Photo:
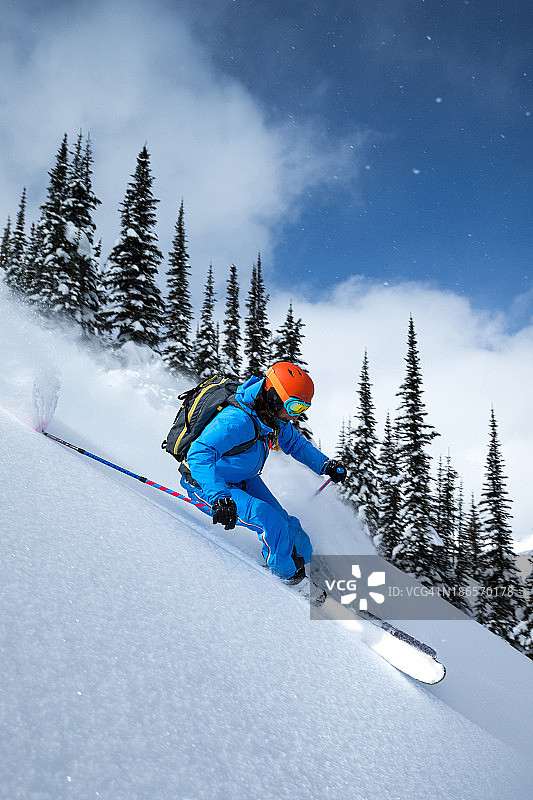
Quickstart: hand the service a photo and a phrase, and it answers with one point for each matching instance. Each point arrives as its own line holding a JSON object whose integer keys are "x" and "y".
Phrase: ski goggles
{"x": 294, "y": 406}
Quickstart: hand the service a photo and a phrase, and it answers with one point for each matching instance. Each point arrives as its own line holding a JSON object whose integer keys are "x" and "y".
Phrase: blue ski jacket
{"x": 233, "y": 426}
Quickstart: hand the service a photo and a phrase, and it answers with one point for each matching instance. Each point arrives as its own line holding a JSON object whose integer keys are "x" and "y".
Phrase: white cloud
{"x": 469, "y": 363}
{"x": 131, "y": 73}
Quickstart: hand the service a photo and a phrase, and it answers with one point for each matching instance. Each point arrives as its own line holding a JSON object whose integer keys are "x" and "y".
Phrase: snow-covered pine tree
{"x": 231, "y": 349}
{"x": 390, "y": 527}
{"x": 178, "y": 352}
{"x": 80, "y": 204}
{"x": 419, "y": 552}
{"x": 32, "y": 262}
{"x": 135, "y": 308}
{"x": 287, "y": 346}
{"x": 5, "y": 248}
{"x": 344, "y": 453}
{"x": 14, "y": 276}
{"x": 437, "y": 504}
{"x": 341, "y": 450}
{"x": 103, "y": 316}
{"x": 363, "y": 485}
{"x": 499, "y": 602}
{"x": 473, "y": 546}
{"x": 448, "y": 531}
{"x": 523, "y": 632}
{"x": 446, "y": 517}
{"x": 206, "y": 354}
{"x": 56, "y": 290}
{"x": 257, "y": 340}
{"x": 462, "y": 565}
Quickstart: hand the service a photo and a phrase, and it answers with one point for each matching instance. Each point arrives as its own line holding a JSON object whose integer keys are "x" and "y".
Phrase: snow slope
{"x": 144, "y": 657}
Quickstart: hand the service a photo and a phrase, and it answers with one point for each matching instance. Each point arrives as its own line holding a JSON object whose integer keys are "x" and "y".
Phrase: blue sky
{"x": 442, "y": 93}
{"x": 389, "y": 140}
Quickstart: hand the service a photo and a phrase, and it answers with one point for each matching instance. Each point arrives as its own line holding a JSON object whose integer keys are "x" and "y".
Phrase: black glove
{"x": 335, "y": 470}
{"x": 225, "y": 512}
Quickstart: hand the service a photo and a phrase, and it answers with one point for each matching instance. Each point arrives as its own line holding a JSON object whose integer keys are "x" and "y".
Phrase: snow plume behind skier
{"x": 231, "y": 484}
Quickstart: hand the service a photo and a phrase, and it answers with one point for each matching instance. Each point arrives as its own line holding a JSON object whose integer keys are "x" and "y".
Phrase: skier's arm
{"x": 300, "y": 448}
{"x": 218, "y": 437}
{"x": 294, "y": 444}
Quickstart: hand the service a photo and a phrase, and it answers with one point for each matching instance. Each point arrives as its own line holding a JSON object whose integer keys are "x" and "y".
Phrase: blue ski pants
{"x": 285, "y": 545}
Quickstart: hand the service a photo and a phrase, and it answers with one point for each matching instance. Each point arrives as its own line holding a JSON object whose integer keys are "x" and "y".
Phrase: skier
{"x": 231, "y": 484}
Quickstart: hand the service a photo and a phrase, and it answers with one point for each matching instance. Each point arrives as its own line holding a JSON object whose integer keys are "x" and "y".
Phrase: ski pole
{"x": 321, "y": 488}
{"x": 171, "y": 492}
{"x": 148, "y": 482}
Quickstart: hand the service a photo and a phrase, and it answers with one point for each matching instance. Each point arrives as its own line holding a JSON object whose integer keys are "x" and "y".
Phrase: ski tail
{"x": 398, "y": 633}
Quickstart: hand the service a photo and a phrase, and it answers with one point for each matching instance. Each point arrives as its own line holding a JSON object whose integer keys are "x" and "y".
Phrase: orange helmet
{"x": 292, "y": 385}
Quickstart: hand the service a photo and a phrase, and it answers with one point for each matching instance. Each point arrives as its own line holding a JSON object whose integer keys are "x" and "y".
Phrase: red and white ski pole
{"x": 321, "y": 488}
{"x": 171, "y": 492}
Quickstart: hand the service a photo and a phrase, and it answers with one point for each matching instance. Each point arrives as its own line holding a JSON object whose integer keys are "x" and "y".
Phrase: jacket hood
{"x": 246, "y": 394}
{"x": 248, "y": 391}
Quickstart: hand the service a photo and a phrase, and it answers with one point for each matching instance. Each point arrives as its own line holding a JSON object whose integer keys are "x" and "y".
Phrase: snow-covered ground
{"x": 144, "y": 657}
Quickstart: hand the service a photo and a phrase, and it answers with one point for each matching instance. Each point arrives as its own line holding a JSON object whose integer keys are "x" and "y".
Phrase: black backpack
{"x": 200, "y": 405}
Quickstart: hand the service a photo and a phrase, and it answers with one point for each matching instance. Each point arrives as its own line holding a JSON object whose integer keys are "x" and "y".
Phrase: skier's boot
{"x": 310, "y": 591}
{"x": 298, "y": 577}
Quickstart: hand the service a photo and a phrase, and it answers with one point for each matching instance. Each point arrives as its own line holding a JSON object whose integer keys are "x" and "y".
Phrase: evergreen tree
{"x": 135, "y": 308}
{"x": 449, "y": 531}
{"x": 499, "y": 602}
{"x": 462, "y": 565}
{"x": 5, "y": 248}
{"x": 103, "y": 317}
{"x": 206, "y": 346}
{"x": 217, "y": 346}
{"x": 14, "y": 276}
{"x": 345, "y": 454}
{"x": 473, "y": 542}
{"x": 341, "y": 450}
{"x": 32, "y": 262}
{"x": 80, "y": 204}
{"x": 418, "y": 553}
{"x": 447, "y": 520}
{"x": 55, "y": 290}
{"x": 390, "y": 527}
{"x": 438, "y": 504}
{"x": 523, "y": 632}
{"x": 363, "y": 477}
{"x": 231, "y": 351}
{"x": 287, "y": 346}
{"x": 179, "y": 315}
{"x": 257, "y": 331}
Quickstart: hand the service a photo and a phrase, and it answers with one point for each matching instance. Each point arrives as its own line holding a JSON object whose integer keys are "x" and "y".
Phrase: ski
{"x": 401, "y": 650}
{"x": 394, "y": 631}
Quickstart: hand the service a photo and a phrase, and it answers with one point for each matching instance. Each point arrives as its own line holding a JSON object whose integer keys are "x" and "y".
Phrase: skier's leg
{"x": 257, "y": 488}
{"x": 286, "y": 546}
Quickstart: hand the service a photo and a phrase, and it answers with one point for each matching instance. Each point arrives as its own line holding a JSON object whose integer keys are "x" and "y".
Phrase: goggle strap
{"x": 276, "y": 383}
